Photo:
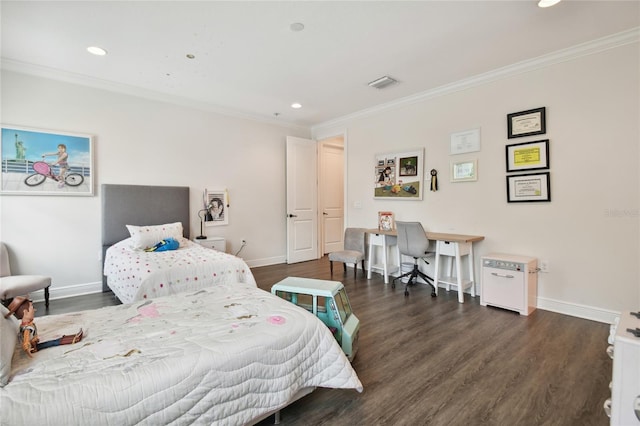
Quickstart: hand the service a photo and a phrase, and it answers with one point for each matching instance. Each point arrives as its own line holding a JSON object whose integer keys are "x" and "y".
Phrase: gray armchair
{"x": 413, "y": 241}
{"x": 353, "y": 252}
{"x": 19, "y": 285}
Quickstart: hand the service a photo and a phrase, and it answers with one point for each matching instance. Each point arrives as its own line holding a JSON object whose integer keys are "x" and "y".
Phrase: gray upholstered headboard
{"x": 140, "y": 205}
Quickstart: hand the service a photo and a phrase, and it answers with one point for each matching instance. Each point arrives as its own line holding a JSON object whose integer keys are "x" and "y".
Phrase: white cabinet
{"x": 216, "y": 243}
{"x": 509, "y": 282}
{"x": 625, "y": 388}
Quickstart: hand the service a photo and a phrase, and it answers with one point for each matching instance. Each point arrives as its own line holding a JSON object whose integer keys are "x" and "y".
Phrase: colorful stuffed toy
{"x": 165, "y": 245}
{"x": 23, "y": 309}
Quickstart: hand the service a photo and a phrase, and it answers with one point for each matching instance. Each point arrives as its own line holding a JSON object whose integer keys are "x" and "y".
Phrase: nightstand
{"x": 216, "y": 243}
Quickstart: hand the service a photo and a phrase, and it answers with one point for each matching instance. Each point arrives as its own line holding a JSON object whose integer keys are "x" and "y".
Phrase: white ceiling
{"x": 248, "y": 61}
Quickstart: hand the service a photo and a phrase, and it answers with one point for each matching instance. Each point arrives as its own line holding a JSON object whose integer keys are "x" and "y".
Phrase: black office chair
{"x": 413, "y": 241}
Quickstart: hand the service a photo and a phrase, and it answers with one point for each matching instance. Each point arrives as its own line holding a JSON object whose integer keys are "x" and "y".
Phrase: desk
{"x": 453, "y": 245}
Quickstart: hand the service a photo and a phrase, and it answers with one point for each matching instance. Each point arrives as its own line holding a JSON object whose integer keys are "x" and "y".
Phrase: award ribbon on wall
{"x": 434, "y": 180}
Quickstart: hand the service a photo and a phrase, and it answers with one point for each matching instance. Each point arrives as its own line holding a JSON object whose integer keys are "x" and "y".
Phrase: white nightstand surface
{"x": 216, "y": 243}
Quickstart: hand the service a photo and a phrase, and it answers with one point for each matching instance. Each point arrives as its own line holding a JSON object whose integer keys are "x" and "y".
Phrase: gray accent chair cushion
{"x": 19, "y": 285}
{"x": 354, "y": 250}
{"x": 413, "y": 242}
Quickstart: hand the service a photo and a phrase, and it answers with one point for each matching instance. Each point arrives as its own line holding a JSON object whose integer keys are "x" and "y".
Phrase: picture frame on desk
{"x": 385, "y": 221}
{"x": 531, "y": 187}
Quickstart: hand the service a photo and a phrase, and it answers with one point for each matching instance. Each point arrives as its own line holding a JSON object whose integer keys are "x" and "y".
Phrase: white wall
{"x": 589, "y": 232}
{"x": 138, "y": 141}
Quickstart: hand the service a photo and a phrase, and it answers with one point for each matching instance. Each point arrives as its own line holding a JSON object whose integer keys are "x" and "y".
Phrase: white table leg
{"x": 371, "y": 256}
{"x": 436, "y": 268}
{"x": 450, "y": 261}
{"x": 459, "y": 274}
{"x": 385, "y": 267}
{"x": 471, "y": 274}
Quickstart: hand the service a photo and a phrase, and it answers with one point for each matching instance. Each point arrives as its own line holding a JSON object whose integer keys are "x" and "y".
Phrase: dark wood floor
{"x": 433, "y": 361}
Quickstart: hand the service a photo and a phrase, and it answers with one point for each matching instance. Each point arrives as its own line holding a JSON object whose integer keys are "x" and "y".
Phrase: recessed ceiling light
{"x": 99, "y": 51}
{"x": 296, "y": 26}
{"x": 296, "y": 105}
{"x": 548, "y": 3}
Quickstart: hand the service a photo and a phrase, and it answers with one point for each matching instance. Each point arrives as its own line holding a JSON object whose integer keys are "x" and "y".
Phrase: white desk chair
{"x": 413, "y": 242}
{"x": 19, "y": 285}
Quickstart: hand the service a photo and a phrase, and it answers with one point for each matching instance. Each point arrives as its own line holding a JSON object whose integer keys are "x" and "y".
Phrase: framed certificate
{"x": 464, "y": 171}
{"x": 526, "y": 123}
{"x": 528, "y": 188}
{"x": 528, "y": 156}
{"x": 467, "y": 141}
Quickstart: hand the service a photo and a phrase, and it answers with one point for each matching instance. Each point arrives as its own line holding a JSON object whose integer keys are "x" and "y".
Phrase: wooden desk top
{"x": 436, "y": 236}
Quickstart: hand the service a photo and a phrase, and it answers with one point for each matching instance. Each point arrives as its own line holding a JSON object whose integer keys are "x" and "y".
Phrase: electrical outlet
{"x": 544, "y": 266}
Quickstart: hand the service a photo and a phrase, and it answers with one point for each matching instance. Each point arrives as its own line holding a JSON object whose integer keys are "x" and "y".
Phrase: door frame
{"x": 318, "y": 137}
{"x": 322, "y": 143}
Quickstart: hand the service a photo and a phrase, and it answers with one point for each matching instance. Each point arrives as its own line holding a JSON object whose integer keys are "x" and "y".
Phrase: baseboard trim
{"x": 68, "y": 291}
{"x": 592, "y": 313}
{"x": 566, "y": 308}
{"x": 266, "y": 261}
{"x": 576, "y": 310}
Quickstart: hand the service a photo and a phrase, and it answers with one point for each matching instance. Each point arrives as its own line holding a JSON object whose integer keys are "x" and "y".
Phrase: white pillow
{"x": 148, "y": 236}
{"x": 9, "y": 328}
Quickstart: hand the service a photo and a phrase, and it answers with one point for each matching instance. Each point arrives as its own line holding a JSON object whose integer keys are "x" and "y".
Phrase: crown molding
{"x": 584, "y": 49}
{"x": 592, "y": 47}
{"x": 96, "y": 83}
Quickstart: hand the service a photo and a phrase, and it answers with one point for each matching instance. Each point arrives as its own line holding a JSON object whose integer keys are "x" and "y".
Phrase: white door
{"x": 302, "y": 200}
{"x": 332, "y": 194}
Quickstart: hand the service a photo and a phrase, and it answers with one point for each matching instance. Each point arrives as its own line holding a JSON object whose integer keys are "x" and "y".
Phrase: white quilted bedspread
{"x": 138, "y": 275}
{"x": 222, "y": 355}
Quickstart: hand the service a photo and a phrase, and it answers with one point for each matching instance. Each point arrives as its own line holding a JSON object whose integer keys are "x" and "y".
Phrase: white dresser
{"x": 216, "y": 243}
{"x": 624, "y": 405}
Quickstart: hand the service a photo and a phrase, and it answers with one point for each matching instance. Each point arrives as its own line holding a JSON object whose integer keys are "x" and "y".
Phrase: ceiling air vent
{"x": 382, "y": 82}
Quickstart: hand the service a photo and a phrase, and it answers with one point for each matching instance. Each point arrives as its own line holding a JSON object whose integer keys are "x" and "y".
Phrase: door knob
{"x": 325, "y": 213}
{"x": 292, "y": 215}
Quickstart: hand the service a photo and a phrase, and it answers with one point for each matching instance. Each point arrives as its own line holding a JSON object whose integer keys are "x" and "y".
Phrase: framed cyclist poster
{"x": 43, "y": 162}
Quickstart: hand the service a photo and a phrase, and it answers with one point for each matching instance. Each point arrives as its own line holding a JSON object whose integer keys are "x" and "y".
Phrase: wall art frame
{"x": 527, "y": 123}
{"x": 465, "y": 141}
{"x": 527, "y": 188}
{"x": 45, "y": 162}
{"x": 399, "y": 175}
{"x": 527, "y": 156}
{"x": 217, "y": 206}
{"x": 464, "y": 170}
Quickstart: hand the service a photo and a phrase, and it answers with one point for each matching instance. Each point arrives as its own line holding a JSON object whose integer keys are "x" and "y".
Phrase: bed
{"x": 225, "y": 354}
{"x": 135, "y": 217}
